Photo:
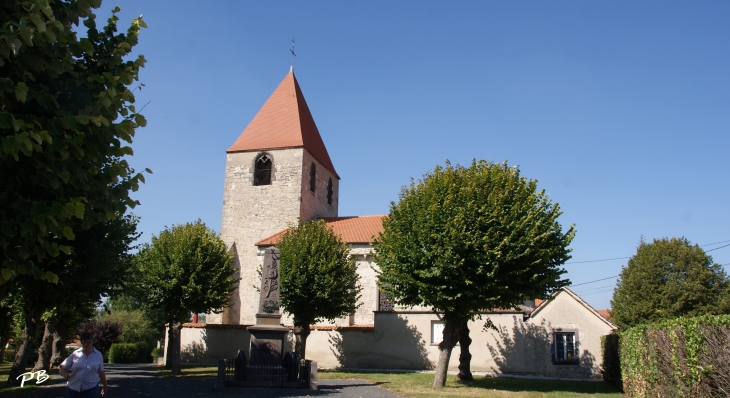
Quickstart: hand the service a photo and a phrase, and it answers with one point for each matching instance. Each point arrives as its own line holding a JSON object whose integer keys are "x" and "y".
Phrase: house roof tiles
{"x": 357, "y": 229}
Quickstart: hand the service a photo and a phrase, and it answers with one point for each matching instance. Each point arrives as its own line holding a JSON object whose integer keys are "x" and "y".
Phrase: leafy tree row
{"x": 67, "y": 117}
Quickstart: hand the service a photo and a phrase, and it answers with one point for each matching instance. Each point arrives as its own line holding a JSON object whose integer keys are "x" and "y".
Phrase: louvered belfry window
{"x": 330, "y": 192}
{"x": 262, "y": 173}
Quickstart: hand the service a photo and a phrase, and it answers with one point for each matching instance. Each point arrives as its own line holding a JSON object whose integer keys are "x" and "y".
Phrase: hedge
{"x": 611, "y": 367}
{"x": 684, "y": 357}
{"x": 123, "y": 353}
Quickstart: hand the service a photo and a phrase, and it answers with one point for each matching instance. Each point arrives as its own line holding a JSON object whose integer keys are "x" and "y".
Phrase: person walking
{"x": 83, "y": 369}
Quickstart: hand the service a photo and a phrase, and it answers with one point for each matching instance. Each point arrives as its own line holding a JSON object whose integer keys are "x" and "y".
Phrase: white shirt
{"x": 84, "y": 369}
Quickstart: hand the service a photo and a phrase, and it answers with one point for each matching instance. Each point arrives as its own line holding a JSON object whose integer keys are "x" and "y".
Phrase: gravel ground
{"x": 141, "y": 380}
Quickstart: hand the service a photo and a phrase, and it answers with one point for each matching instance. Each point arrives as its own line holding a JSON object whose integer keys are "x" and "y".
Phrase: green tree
{"x": 66, "y": 119}
{"x": 666, "y": 279}
{"x": 319, "y": 279}
{"x": 101, "y": 260}
{"x": 185, "y": 269}
{"x": 466, "y": 239}
{"x": 136, "y": 328}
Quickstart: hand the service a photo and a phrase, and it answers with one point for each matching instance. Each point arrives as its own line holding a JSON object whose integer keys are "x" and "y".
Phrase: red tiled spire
{"x": 284, "y": 122}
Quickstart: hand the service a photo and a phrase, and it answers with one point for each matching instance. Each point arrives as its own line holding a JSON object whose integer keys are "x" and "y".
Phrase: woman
{"x": 83, "y": 369}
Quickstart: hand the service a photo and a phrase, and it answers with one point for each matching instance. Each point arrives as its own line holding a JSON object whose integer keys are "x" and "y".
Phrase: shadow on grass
{"x": 190, "y": 371}
{"x": 516, "y": 385}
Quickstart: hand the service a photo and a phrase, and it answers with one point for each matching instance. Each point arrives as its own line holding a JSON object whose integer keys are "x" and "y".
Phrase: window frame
{"x": 441, "y": 327}
{"x": 555, "y": 336}
{"x": 258, "y": 160}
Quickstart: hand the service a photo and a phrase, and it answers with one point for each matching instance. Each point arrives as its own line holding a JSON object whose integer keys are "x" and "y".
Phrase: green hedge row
{"x": 130, "y": 353}
{"x": 684, "y": 357}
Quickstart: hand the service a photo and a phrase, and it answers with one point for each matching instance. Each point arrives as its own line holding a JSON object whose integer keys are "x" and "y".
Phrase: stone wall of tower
{"x": 314, "y": 204}
{"x": 251, "y": 213}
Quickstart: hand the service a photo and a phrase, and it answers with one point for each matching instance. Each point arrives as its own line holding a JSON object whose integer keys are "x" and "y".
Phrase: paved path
{"x": 141, "y": 380}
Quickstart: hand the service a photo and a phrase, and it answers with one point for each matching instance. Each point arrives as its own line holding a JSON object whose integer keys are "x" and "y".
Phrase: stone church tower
{"x": 277, "y": 172}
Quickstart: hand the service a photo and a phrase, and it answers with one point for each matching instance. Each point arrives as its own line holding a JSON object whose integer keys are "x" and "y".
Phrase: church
{"x": 278, "y": 171}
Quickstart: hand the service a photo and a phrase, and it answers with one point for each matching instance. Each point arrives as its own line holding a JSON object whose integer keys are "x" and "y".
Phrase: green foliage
{"x": 66, "y": 121}
{"x": 682, "y": 357}
{"x": 136, "y": 328}
{"x": 9, "y": 355}
{"x": 126, "y": 298}
{"x": 319, "y": 279}
{"x": 611, "y": 366}
{"x": 185, "y": 269}
{"x": 156, "y": 353}
{"x": 104, "y": 334}
{"x": 666, "y": 279}
{"x": 465, "y": 239}
{"x": 124, "y": 353}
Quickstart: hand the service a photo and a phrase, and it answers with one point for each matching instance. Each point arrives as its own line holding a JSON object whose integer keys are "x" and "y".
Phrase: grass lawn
{"x": 418, "y": 385}
{"x": 13, "y": 391}
{"x": 190, "y": 371}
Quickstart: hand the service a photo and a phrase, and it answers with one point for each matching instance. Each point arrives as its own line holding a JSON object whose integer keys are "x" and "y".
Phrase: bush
{"x": 136, "y": 327}
{"x": 682, "y": 357}
{"x": 156, "y": 353}
{"x": 123, "y": 353}
{"x": 104, "y": 334}
{"x": 9, "y": 355}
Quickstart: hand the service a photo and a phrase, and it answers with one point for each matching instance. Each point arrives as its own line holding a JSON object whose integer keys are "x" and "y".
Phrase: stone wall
{"x": 252, "y": 213}
{"x": 404, "y": 340}
{"x": 314, "y": 204}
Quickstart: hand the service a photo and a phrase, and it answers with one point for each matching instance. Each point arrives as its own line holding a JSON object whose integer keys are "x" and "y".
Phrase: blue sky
{"x": 621, "y": 110}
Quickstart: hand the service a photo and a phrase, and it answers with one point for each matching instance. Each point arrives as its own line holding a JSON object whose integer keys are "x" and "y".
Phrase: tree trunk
{"x": 3, "y": 342}
{"x": 173, "y": 347}
{"x": 451, "y": 336}
{"x": 465, "y": 357}
{"x": 59, "y": 344}
{"x": 301, "y": 333}
{"x": 46, "y": 348}
{"x": 24, "y": 352}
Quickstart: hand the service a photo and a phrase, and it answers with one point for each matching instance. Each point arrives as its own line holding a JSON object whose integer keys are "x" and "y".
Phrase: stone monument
{"x": 267, "y": 336}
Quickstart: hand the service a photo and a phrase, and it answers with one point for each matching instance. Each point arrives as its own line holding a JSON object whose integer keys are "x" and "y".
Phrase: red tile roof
{"x": 284, "y": 122}
{"x": 357, "y": 229}
{"x": 606, "y": 314}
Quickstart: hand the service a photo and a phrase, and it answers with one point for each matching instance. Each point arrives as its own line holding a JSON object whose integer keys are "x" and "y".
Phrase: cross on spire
{"x": 292, "y": 55}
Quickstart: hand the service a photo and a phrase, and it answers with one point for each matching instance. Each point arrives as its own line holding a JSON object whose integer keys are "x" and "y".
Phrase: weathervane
{"x": 292, "y": 55}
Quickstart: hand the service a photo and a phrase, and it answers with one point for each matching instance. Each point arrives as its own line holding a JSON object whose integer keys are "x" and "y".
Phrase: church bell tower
{"x": 277, "y": 172}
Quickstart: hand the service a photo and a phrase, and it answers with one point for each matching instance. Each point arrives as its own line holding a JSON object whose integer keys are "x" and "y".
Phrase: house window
{"x": 330, "y": 192}
{"x": 437, "y": 332}
{"x": 312, "y": 177}
{"x": 565, "y": 348}
{"x": 262, "y": 170}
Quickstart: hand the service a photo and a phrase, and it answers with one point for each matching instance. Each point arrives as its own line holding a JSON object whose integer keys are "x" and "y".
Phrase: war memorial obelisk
{"x": 267, "y": 336}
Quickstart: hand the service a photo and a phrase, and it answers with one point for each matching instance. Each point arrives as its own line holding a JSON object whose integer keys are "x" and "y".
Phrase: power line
{"x": 595, "y": 261}
{"x": 717, "y": 248}
{"x": 597, "y": 280}
{"x": 622, "y": 258}
{"x": 597, "y": 288}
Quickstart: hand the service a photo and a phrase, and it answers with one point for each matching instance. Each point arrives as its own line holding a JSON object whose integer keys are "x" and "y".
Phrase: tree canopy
{"x": 66, "y": 119}
{"x": 464, "y": 239}
{"x": 319, "y": 279}
{"x": 187, "y": 268}
{"x": 669, "y": 278}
